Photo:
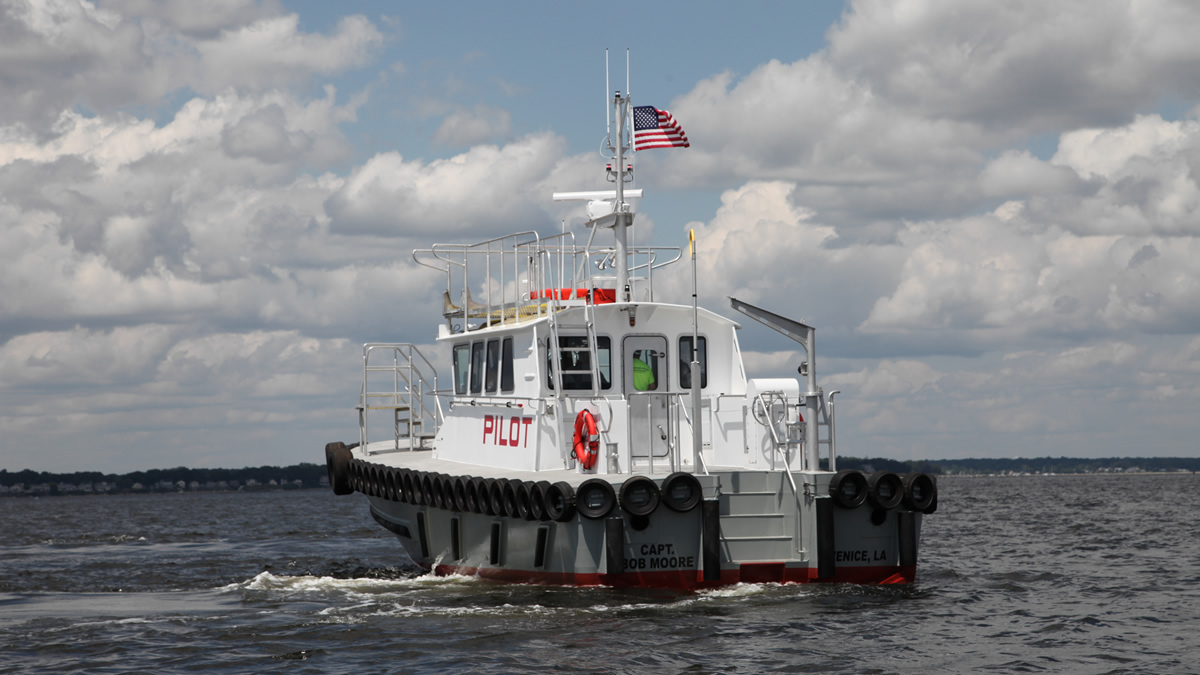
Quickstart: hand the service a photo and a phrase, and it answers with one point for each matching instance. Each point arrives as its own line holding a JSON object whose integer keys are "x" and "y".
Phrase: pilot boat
{"x": 586, "y": 433}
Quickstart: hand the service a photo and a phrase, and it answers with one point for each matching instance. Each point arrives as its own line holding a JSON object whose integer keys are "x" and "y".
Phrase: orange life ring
{"x": 587, "y": 439}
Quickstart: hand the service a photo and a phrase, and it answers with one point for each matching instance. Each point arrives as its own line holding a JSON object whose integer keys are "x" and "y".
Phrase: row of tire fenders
{"x": 595, "y": 498}
{"x": 884, "y": 490}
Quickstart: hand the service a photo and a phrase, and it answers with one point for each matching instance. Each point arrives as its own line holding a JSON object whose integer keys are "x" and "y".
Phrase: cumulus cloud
{"x": 145, "y": 394}
{"x": 1071, "y": 401}
{"x": 485, "y": 190}
{"x": 1032, "y": 271}
{"x": 480, "y": 124}
{"x": 272, "y": 51}
{"x": 195, "y": 19}
{"x": 1020, "y": 174}
{"x": 910, "y": 99}
{"x": 1021, "y": 68}
{"x": 60, "y": 54}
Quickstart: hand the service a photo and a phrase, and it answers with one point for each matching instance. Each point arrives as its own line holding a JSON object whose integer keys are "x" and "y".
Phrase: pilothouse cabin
{"x": 539, "y": 340}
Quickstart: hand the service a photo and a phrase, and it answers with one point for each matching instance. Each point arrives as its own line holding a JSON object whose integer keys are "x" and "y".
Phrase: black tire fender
{"x": 472, "y": 494}
{"x": 339, "y": 457}
{"x": 427, "y": 489}
{"x": 508, "y": 494}
{"x": 848, "y": 488}
{"x": 524, "y": 499}
{"x": 445, "y": 492}
{"x": 495, "y": 497}
{"x": 460, "y": 493}
{"x": 560, "y": 502}
{"x": 681, "y": 492}
{"x": 537, "y": 499}
{"x": 639, "y": 496}
{"x": 595, "y": 498}
{"x": 885, "y": 490}
{"x": 920, "y": 491}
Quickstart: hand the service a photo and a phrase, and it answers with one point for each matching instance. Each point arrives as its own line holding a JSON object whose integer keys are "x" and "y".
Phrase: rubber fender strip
{"x": 711, "y": 539}
{"x": 826, "y": 553}
{"x": 423, "y": 534}
{"x": 539, "y": 550}
{"x": 614, "y": 545}
{"x": 494, "y": 552}
{"x": 908, "y": 538}
{"x": 455, "y": 539}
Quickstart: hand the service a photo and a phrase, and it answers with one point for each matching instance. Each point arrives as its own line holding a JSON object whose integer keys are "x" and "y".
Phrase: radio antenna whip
{"x": 607, "y": 93}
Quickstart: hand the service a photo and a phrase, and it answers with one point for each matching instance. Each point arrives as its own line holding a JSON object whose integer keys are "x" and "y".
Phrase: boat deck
{"x": 422, "y": 459}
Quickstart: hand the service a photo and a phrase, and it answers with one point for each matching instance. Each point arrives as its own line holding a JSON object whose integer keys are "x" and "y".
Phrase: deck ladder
{"x": 398, "y": 379}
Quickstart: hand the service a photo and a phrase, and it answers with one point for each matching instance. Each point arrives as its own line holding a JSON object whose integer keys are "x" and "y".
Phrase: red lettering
{"x": 488, "y": 424}
{"x": 514, "y": 430}
{"x": 500, "y": 432}
{"x": 526, "y": 421}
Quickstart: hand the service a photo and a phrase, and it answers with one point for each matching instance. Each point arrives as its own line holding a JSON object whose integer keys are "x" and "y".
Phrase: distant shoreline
{"x": 1181, "y": 472}
{"x": 180, "y": 479}
{"x": 155, "y": 493}
{"x": 311, "y": 476}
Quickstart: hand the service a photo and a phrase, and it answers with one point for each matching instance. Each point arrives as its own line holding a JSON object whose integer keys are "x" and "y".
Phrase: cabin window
{"x": 493, "y": 366}
{"x": 462, "y": 367}
{"x": 645, "y": 369}
{"x": 506, "y": 366}
{"x": 575, "y": 361}
{"x": 476, "y": 367}
{"x": 685, "y": 362}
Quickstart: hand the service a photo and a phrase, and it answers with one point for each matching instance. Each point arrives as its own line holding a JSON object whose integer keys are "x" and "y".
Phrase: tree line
{"x": 308, "y": 475}
{"x": 1021, "y": 465}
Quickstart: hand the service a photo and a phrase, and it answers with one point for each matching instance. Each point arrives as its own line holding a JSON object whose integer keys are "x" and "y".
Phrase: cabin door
{"x": 645, "y": 376}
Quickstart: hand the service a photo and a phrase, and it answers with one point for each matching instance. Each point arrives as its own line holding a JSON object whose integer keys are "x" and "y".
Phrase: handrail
{"x": 673, "y": 431}
{"x": 695, "y": 428}
{"x": 787, "y": 468}
{"x": 831, "y": 419}
{"x": 510, "y": 271}
{"x": 409, "y": 398}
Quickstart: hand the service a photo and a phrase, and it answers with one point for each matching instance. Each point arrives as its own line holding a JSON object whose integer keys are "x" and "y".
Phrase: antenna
{"x": 628, "y": 93}
{"x": 607, "y": 93}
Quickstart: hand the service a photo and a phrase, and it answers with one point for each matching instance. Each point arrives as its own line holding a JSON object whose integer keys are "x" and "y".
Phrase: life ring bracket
{"x": 586, "y": 442}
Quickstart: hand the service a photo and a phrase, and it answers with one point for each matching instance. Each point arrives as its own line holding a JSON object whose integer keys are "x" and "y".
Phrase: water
{"x": 1069, "y": 574}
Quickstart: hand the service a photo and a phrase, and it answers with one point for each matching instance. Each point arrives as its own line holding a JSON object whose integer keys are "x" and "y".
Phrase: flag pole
{"x": 697, "y": 428}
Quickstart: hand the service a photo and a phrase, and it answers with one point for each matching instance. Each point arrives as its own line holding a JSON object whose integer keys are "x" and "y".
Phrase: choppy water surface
{"x": 1068, "y": 574}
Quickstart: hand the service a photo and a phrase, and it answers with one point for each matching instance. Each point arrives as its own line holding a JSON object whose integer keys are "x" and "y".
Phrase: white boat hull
{"x": 760, "y": 537}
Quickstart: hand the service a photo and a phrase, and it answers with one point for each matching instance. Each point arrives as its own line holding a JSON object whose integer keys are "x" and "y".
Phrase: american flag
{"x": 654, "y": 128}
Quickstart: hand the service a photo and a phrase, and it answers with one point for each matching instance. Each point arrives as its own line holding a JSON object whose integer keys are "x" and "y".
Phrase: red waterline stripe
{"x": 690, "y": 579}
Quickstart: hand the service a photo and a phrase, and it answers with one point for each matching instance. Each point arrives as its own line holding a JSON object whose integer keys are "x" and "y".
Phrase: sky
{"x": 989, "y": 211}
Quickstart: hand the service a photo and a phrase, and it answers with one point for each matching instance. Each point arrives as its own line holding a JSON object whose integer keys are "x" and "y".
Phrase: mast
{"x": 621, "y": 224}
